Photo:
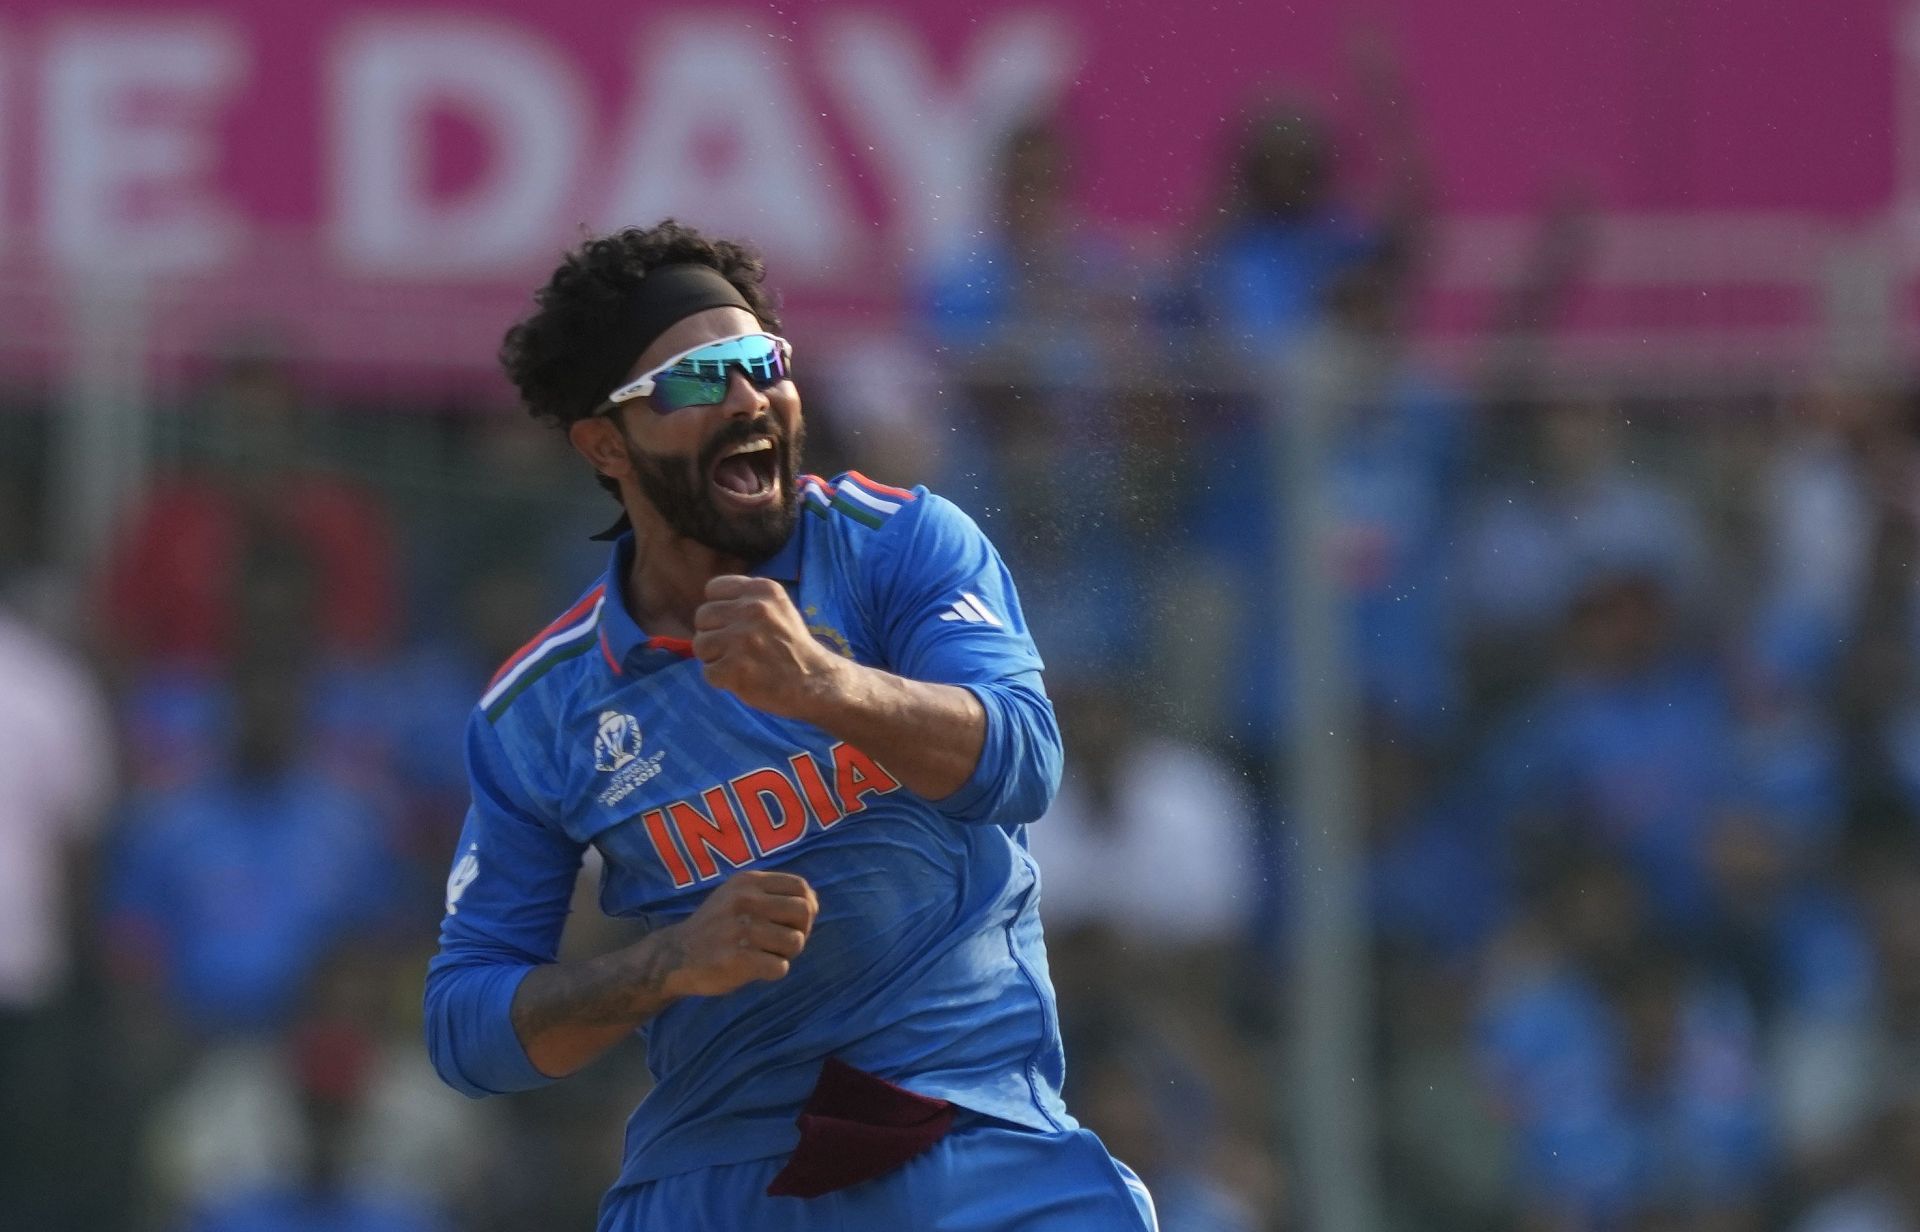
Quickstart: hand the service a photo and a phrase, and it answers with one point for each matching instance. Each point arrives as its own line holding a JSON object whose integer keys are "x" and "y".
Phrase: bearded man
{"x": 803, "y": 723}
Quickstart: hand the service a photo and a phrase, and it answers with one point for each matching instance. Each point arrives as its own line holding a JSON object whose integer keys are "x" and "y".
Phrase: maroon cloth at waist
{"x": 855, "y": 1127}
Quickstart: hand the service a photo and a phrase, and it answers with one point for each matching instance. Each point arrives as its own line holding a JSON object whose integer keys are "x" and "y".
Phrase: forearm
{"x": 568, "y": 1013}
{"x": 929, "y": 736}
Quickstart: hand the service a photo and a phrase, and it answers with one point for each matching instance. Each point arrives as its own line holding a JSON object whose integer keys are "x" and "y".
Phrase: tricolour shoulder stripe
{"x": 880, "y": 489}
{"x": 565, "y": 620}
{"x": 557, "y": 645}
{"x": 815, "y": 494}
{"x": 856, "y": 507}
{"x": 853, "y": 494}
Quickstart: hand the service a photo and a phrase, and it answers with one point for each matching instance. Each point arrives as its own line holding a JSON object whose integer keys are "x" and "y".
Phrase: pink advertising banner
{"x": 386, "y": 182}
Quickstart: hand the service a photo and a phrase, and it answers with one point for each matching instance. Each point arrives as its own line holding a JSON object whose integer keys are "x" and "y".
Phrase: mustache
{"x": 739, "y": 432}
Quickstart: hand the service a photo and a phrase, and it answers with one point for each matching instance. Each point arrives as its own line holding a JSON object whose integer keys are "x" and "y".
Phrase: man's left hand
{"x": 751, "y": 641}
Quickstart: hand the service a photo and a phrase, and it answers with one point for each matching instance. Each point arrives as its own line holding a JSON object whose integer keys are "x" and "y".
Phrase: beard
{"x": 679, "y": 487}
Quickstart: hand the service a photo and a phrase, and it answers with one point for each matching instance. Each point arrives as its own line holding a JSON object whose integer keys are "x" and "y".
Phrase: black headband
{"x": 667, "y": 295}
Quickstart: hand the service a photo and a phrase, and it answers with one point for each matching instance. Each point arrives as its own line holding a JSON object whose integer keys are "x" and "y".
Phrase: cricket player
{"x": 802, "y": 721}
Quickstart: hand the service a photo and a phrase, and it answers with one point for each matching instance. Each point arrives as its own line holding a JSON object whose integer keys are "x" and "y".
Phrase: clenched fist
{"x": 751, "y": 641}
{"x": 750, "y": 928}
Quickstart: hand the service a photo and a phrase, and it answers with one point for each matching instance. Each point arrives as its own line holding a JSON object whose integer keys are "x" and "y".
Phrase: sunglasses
{"x": 700, "y": 377}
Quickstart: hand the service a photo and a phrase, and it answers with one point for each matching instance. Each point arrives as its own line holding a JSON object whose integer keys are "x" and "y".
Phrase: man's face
{"x": 690, "y": 464}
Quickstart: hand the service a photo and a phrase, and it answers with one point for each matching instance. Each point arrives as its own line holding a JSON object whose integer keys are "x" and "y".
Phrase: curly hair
{"x": 550, "y": 355}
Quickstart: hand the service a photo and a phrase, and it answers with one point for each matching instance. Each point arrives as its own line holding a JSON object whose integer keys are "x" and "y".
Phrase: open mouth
{"x": 748, "y": 473}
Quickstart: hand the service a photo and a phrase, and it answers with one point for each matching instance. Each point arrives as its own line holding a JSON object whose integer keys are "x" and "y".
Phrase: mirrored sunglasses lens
{"x": 675, "y": 390}
{"x": 701, "y": 378}
{"x": 767, "y": 368}
{"x": 759, "y": 356}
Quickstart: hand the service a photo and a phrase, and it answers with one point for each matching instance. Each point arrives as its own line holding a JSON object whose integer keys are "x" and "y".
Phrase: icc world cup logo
{"x": 617, "y": 741}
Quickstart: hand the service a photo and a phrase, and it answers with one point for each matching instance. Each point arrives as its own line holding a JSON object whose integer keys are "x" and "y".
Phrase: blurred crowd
{"x": 1637, "y": 730}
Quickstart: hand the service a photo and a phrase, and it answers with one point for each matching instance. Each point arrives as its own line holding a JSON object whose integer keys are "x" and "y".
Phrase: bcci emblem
{"x": 826, "y": 634}
{"x": 617, "y": 742}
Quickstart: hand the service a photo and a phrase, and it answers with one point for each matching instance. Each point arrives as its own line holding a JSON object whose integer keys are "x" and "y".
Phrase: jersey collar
{"x": 624, "y": 644}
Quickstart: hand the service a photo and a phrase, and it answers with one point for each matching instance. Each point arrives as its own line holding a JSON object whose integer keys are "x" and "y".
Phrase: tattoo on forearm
{"x": 623, "y": 988}
{"x": 656, "y": 960}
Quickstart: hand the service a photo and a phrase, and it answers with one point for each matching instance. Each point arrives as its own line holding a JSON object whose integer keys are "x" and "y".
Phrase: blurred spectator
{"x": 226, "y": 892}
{"x": 1631, "y": 1078}
{"x": 1860, "y": 645}
{"x": 1793, "y": 767}
{"x": 58, "y": 765}
{"x": 181, "y": 720}
{"x": 1160, "y": 816}
{"x": 1794, "y": 945}
{"x": 1297, "y": 279}
{"x": 1396, "y": 439}
{"x": 170, "y": 583}
{"x": 1819, "y": 499}
{"x": 1783, "y": 931}
{"x": 1577, "y": 508}
{"x": 1630, "y": 744}
{"x": 1290, "y": 233}
{"x": 315, "y": 1197}
{"x": 339, "y": 1123}
{"x": 1436, "y": 873}
{"x": 1142, "y": 974}
{"x": 1039, "y": 290}
{"x": 1286, "y": 241}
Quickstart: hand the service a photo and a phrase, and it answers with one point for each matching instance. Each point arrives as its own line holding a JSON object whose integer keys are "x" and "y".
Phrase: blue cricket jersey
{"x": 926, "y": 964}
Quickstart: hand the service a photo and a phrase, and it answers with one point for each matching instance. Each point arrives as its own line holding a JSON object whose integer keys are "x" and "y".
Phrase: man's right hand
{"x": 750, "y": 928}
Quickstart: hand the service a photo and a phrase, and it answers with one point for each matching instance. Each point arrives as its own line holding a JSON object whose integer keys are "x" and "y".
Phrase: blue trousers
{"x": 985, "y": 1176}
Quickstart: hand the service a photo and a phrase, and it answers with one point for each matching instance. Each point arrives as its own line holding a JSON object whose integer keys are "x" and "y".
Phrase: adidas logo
{"x": 971, "y": 610}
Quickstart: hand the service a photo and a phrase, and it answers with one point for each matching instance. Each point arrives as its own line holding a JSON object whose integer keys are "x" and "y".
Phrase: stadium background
{"x": 1461, "y": 461}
